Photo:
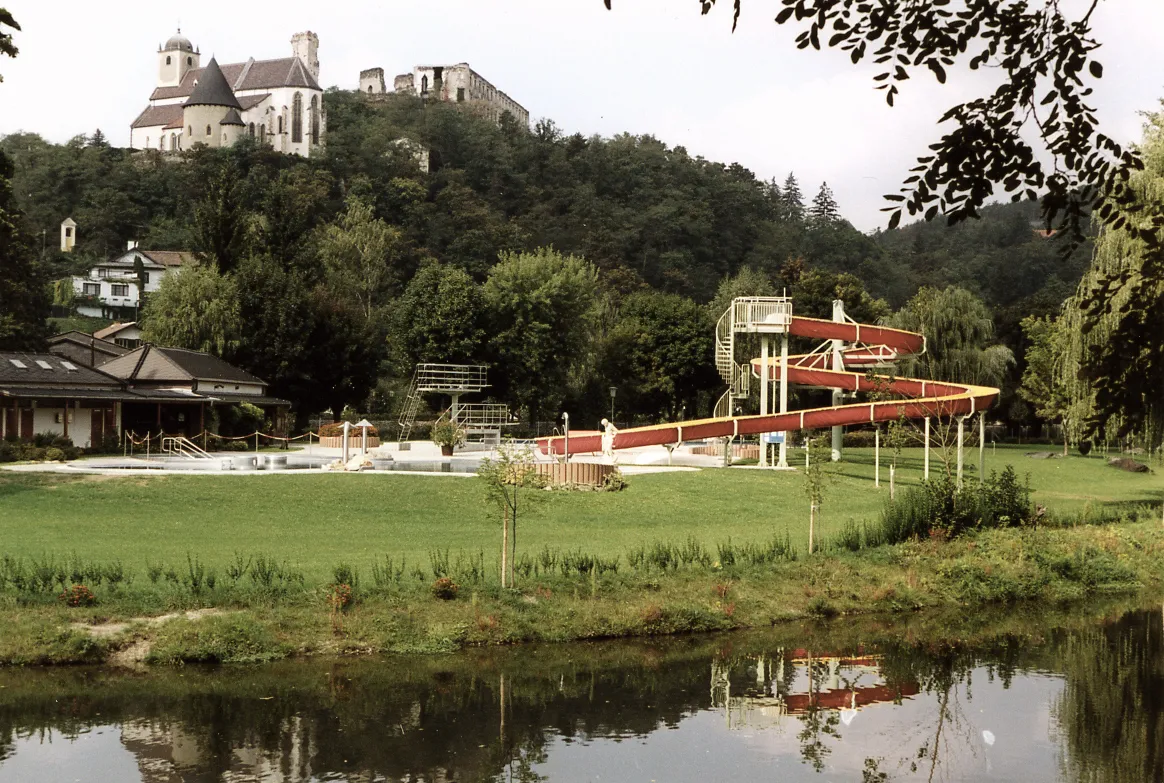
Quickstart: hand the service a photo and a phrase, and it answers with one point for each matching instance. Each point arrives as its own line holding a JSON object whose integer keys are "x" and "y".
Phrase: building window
{"x": 68, "y": 231}
{"x": 297, "y": 118}
{"x": 280, "y": 124}
{"x": 190, "y": 130}
{"x": 460, "y": 95}
{"x": 102, "y": 272}
{"x": 369, "y": 89}
{"x": 92, "y": 289}
{"x": 208, "y": 131}
{"x": 251, "y": 130}
{"x": 167, "y": 59}
{"x": 424, "y": 85}
{"x": 145, "y": 277}
{"x": 262, "y": 134}
{"x": 189, "y": 61}
{"x": 315, "y": 119}
{"x": 147, "y": 142}
{"x": 120, "y": 289}
{"x": 173, "y": 141}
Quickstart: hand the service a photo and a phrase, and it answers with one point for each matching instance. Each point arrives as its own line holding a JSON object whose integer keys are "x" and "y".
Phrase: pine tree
{"x": 793, "y": 200}
{"x": 98, "y": 139}
{"x": 824, "y": 210}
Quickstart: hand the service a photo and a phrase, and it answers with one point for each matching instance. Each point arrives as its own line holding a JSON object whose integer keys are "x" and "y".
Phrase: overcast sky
{"x": 648, "y": 66}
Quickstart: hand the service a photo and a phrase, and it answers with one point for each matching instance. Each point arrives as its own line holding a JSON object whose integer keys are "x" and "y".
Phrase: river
{"x": 1019, "y": 694}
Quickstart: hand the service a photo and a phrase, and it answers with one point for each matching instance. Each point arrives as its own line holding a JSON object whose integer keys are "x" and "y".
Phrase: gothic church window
{"x": 167, "y": 59}
{"x": 208, "y": 131}
{"x": 251, "y": 130}
{"x": 315, "y": 119}
{"x": 297, "y": 118}
{"x": 189, "y": 61}
{"x": 280, "y": 123}
{"x": 423, "y": 85}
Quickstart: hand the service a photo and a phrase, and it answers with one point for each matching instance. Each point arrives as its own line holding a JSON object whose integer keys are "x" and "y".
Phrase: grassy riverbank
{"x": 697, "y": 551}
{"x": 997, "y": 566}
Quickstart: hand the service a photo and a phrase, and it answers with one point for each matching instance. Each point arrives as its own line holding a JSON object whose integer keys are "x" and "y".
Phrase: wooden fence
{"x": 590, "y": 474}
{"x": 354, "y": 442}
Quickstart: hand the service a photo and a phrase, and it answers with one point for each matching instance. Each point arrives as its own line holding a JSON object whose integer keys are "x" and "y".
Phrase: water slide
{"x": 870, "y": 347}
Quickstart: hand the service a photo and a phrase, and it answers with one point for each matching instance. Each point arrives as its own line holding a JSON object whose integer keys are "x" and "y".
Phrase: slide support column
{"x": 765, "y": 381}
{"x": 926, "y": 449}
{"x": 783, "y": 461}
{"x": 982, "y": 447}
{"x": 961, "y": 436}
{"x": 838, "y": 365}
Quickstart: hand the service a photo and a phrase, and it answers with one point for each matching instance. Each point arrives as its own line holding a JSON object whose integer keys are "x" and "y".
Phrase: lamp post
{"x": 566, "y": 419}
{"x": 613, "y": 391}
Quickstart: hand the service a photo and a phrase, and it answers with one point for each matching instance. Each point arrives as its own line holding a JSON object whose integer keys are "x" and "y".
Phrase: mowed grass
{"x": 317, "y": 521}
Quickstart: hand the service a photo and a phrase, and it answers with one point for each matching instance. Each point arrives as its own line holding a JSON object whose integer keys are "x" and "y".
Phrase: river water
{"x": 1015, "y": 695}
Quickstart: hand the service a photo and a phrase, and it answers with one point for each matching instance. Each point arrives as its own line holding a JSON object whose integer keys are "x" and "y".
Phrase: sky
{"x": 649, "y": 66}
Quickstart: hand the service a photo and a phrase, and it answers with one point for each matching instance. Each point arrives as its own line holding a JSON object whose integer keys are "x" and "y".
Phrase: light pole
{"x": 566, "y": 449}
{"x": 613, "y": 391}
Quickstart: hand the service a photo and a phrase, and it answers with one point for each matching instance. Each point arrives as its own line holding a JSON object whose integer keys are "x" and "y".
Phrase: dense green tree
{"x": 197, "y": 309}
{"x": 958, "y": 329}
{"x": 221, "y": 216}
{"x": 24, "y": 292}
{"x": 815, "y": 289}
{"x": 439, "y": 318}
{"x": 360, "y": 255}
{"x": 659, "y": 356}
{"x": 747, "y": 282}
{"x": 540, "y": 311}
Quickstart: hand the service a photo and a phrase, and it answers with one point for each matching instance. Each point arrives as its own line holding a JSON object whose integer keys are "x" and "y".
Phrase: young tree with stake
{"x": 506, "y": 478}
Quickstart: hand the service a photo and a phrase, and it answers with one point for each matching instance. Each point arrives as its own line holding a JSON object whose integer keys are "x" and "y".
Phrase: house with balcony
{"x": 115, "y": 287}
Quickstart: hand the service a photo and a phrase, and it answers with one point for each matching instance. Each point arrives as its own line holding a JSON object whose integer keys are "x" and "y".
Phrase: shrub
{"x": 340, "y": 597}
{"x": 614, "y": 481}
{"x": 445, "y": 589}
{"x": 9, "y": 452}
{"x": 1084, "y": 447}
{"x": 336, "y": 430}
{"x": 448, "y": 433}
{"x": 54, "y": 454}
{"x": 78, "y": 595}
{"x": 344, "y": 574}
{"x": 937, "y": 507}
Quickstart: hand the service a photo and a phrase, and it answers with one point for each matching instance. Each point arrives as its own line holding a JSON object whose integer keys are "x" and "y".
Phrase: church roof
{"x": 231, "y": 118}
{"x": 251, "y": 75}
{"x": 169, "y": 115}
{"x": 212, "y": 89}
{"x": 249, "y": 102}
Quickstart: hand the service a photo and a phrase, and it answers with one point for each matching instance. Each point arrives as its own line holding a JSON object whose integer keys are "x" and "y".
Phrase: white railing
{"x": 482, "y": 415}
{"x": 451, "y": 377}
{"x": 183, "y": 447}
{"x": 761, "y": 313}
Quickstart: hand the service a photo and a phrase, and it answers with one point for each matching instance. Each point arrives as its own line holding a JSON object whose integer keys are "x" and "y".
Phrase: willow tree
{"x": 197, "y": 309}
{"x": 1114, "y": 352}
{"x": 959, "y": 330}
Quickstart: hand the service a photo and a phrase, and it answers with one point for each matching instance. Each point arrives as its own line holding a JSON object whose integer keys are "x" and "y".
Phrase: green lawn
{"x": 316, "y": 521}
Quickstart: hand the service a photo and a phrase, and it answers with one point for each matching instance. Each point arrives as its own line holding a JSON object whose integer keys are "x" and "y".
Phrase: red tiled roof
{"x": 159, "y": 115}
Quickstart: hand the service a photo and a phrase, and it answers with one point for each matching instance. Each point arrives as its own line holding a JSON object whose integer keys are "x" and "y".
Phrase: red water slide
{"x": 872, "y": 345}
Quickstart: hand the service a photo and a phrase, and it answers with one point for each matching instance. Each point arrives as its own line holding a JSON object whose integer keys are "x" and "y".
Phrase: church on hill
{"x": 279, "y": 102}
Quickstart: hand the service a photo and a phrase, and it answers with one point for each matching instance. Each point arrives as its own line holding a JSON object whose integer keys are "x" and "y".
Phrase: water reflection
{"x": 1075, "y": 697}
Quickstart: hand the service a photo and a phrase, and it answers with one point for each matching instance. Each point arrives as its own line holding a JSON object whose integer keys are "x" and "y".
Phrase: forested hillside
{"x": 568, "y": 263}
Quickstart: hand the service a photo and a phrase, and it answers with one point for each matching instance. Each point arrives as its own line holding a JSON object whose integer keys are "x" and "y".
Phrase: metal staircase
{"x": 482, "y": 422}
{"x": 183, "y": 447}
{"x": 765, "y": 314}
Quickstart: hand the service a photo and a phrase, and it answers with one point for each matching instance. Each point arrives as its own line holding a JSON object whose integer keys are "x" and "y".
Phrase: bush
{"x": 1084, "y": 447}
{"x": 54, "y": 454}
{"x": 78, "y": 595}
{"x": 448, "y": 433}
{"x": 445, "y": 589}
{"x": 9, "y": 452}
{"x": 937, "y": 507}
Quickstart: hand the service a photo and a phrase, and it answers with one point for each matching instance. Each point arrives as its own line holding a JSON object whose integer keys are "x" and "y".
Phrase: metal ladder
{"x": 411, "y": 407}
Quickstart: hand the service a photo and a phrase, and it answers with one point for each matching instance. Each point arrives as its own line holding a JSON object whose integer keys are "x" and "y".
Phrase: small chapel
{"x": 278, "y": 102}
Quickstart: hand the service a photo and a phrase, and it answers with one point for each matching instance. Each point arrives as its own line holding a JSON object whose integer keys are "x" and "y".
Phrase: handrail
{"x": 178, "y": 444}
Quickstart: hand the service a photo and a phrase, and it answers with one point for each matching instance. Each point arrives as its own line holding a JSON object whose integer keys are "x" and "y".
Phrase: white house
{"x": 278, "y": 101}
{"x": 114, "y": 284}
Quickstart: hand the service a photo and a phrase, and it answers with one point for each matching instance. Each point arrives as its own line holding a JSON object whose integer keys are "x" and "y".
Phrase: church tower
{"x": 211, "y": 113}
{"x": 305, "y": 46}
{"x": 175, "y": 58}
